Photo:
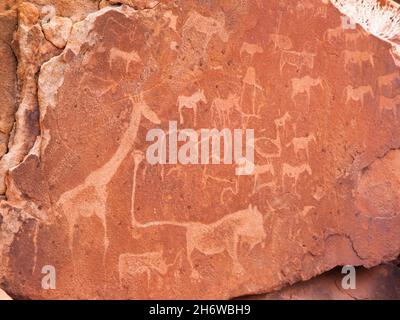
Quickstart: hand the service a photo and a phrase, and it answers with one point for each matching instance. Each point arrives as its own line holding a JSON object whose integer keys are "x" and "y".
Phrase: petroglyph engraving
{"x": 250, "y": 49}
{"x": 353, "y": 38}
{"x": 389, "y": 104}
{"x": 333, "y": 33}
{"x": 259, "y": 170}
{"x": 222, "y": 108}
{"x": 280, "y": 41}
{"x": 126, "y": 57}
{"x": 358, "y": 94}
{"x": 296, "y": 59}
{"x": 149, "y": 263}
{"x": 207, "y": 26}
{"x": 250, "y": 79}
{"x": 191, "y": 103}
{"x": 387, "y": 80}
{"x": 294, "y": 173}
{"x": 304, "y": 85}
{"x": 225, "y": 235}
{"x": 358, "y": 58}
{"x": 89, "y": 198}
{"x": 302, "y": 143}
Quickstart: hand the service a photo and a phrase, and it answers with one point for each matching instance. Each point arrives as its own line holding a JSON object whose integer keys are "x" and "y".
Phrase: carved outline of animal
{"x": 387, "y": 80}
{"x": 127, "y": 57}
{"x": 302, "y": 143}
{"x": 358, "y": 57}
{"x": 223, "y": 235}
{"x": 191, "y": 102}
{"x": 148, "y": 263}
{"x": 358, "y": 94}
{"x": 294, "y": 173}
{"x": 296, "y": 59}
{"x": 223, "y": 107}
{"x": 250, "y": 49}
{"x": 389, "y": 104}
{"x": 94, "y": 187}
{"x": 280, "y": 41}
{"x": 206, "y": 25}
{"x": 304, "y": 85}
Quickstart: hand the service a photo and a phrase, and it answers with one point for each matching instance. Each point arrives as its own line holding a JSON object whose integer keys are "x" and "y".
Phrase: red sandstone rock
{"x": 8, "y": 85}
{"x": 82, "y": 197}
{"x": 379, "y": 283}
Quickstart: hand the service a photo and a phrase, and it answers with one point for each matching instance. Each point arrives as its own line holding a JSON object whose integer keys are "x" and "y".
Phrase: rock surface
{"x": 379, "y": 283}
{"x": 4, "y": 296}
{"x": 8, "y": 77}
{"x": 81, "y": 196}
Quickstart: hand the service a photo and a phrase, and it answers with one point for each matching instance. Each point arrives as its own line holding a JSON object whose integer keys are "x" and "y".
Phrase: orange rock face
{"x": 379, "y": 283}
{"x": 88, "y": 213}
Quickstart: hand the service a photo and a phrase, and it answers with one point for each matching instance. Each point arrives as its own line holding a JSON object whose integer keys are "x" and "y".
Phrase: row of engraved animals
{"x": 222, "y": 108}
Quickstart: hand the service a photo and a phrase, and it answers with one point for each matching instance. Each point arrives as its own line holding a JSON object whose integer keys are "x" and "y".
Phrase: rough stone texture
{"x": 80, "y": 196}
{"x": 8, "y": 78}
{"x": 378, "y": 283}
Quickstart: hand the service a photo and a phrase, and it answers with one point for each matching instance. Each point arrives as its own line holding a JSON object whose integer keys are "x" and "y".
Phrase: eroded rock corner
{"x": 87, "y": 82}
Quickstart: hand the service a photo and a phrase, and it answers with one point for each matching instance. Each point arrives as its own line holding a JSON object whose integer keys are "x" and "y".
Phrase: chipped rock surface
{"x": 379, "y": 283}
{"x": 80, "y": 195}
{"x": 4, "y": 296}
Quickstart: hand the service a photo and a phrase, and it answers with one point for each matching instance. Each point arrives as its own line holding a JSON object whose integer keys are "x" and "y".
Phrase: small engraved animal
{"x": 131, "y": 264}
{"x": 302, "y": 144}
{"x": 250, "y": 49}
{"x": 387, "y": 80}
{"x": 280, "y": 41}
{"x": 191, "y": 103}
{"x": 358, "y": 58}
{"x": 294, "y": 173}
{"x": 296, "y": 59}
{"x": 221, "y": 108}
{"x": 127, "y": 57}
{"x": 304, "y": 85}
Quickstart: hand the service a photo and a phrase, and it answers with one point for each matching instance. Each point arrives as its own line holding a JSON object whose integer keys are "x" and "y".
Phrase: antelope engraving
{"x": 130, "y": 264}
{"x": 304, "y": 85}
{"x": 302, "y": 144}
{"x": 294, "y": 173}
{"x": 280, "y": 41}
{"x": 259, "y": 170}
{"x": 296, "y": 59}
{"x": 358, "y": 58}
{"x": 207, "y": 26}
{"x": 191, "y": 103}
{"x": 222, "y": 108}
{"x": 358, "y": 94}
{"x": 250, "y": 49}
{"x": 387, "y": 80}
{"x": 127, "y": 57}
